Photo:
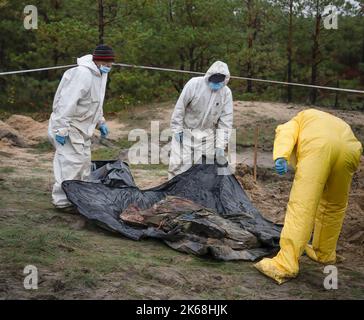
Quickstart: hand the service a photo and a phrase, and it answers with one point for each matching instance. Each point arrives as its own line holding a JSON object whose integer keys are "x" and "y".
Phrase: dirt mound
{"x": 244, "y": 174}
{"x": 30, "y": 129}
{"x": 10, "y": 136}
{"x": 22, "y": 131}
{"x": 270, "y": 200}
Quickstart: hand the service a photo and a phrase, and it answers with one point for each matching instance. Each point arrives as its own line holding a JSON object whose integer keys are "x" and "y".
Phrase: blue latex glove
{"x": 61, "y": 139}
{"x": 104, "y": 130}
{"x": 281, "y": 166}
{"x": 179, "y": 136}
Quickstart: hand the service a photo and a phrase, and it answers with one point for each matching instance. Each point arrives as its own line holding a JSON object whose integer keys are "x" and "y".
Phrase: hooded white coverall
{"x": 199, "y": 111}
{"x": 77, "y": 111}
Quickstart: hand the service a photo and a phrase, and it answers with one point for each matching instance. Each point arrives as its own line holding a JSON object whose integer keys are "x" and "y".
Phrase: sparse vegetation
{"x": 42, "y": 147}
{"x": 77, "y": 259}
{"x": 5, "y": 170}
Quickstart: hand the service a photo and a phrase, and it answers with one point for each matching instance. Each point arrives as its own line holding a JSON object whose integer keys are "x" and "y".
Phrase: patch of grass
{"x": 134, "y": 117}
{"x": 159, "y": 166}
{"x": 105, "y": 154}
{"x": 245, "y": 136}
{"x": 42, "y": 147}
{"x": 38, "y": 170}
{"x": 21, "y": 244}
{"x": 81, "y": 277}
{"x": 124, "y": 143}
{"x": 6, "y": 170}
{"x": 3, "y": 187}
{"x": 139, "y": 116}
{"x": 33, "y": 233}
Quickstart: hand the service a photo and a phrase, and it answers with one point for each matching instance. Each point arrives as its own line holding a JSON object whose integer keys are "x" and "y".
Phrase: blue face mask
{"x": 216, "y": 86}
{"x": 104, "y": 69}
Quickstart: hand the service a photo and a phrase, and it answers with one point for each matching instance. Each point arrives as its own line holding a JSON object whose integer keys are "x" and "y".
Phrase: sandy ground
{"x": 78, "y": 260}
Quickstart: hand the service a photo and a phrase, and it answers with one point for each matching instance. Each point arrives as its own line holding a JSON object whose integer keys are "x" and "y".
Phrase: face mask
{"x": 104, "y": 69}
{"x": 216, "y": 86}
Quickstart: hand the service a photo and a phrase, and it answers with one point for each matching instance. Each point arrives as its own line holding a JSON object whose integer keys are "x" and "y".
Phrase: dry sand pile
{"x": 22, "y": 131}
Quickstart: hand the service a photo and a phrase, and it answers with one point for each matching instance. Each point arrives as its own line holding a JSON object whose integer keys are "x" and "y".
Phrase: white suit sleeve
{"x": 225, "y": 122}
{"x": 180, "y": 108}
{"x": 73, "y": 87}
{"x": 101, "y": 119}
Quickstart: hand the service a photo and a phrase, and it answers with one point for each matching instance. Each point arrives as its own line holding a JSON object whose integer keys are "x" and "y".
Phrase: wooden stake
{"x": 256, "y": 152}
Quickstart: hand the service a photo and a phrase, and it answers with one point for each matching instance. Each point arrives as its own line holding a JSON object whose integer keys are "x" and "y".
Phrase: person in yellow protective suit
{"x": 327, "y": 155}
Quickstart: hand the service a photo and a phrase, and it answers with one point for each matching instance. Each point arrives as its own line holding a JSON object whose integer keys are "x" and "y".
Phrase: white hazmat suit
{"x": 199, "y": 111}
{"x": 77, "y": 111}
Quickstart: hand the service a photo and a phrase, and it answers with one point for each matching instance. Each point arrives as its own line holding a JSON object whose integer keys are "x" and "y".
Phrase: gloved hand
{"x": 179, "y": 136}
{"x": 281, "y": 166}
{"x": 220, "y": 156}
{"x": 104, "y": 130}
{"x": 61, "y": 139}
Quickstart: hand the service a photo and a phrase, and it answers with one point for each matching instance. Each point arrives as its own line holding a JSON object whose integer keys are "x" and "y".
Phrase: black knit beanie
{"x": 104, "y": 53}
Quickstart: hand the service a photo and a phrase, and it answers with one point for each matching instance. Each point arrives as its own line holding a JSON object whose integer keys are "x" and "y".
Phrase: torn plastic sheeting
{"x": 112, "y": 190}
{"x": 200, "y": 231}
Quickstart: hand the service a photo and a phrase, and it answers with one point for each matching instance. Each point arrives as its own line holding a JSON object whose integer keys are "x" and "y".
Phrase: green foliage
{"x": 134, "y": 87}
{"x": 251, "y": 36}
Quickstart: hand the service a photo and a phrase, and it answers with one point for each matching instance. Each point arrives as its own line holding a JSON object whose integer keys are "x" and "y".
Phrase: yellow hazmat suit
{"x": 327, "y": 154}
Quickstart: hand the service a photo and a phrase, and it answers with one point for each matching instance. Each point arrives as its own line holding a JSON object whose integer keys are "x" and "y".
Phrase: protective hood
{"x": 87, "y": 62}
{"x": 218, "y": 67}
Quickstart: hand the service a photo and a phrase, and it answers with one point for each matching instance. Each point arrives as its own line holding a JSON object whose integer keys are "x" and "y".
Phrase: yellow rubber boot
{"x": 270, "y": 269}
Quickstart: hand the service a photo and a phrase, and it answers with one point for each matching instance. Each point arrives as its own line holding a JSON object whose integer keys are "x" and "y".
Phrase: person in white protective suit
{"x": 202, "y": 120}
{"x": 77, "y": 111}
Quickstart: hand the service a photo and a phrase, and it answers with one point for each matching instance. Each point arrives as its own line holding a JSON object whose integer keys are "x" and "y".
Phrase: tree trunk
{"x": 170, "y": 10}
{"x": 101, "y": 22}
{"x": 362, "y": 61}
{"x": 191, "y": 58}
{"x": 2, "y": 54}
{"x": 249, "y": 72}
{"x": 337, "y": 95}
{"x": 289, "y": 51}
{"x": 180, "y": 83}
{"x": 315, "y": 53}
{"x": 250, "y": 47}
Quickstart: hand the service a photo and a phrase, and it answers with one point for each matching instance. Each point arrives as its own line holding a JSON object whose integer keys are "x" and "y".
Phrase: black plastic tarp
{"x": 112, "y": 190}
